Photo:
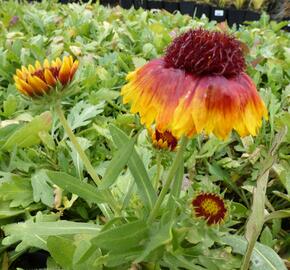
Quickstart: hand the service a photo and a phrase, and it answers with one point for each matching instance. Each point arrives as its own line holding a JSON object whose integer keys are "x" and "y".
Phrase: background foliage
{"x": 43, "y": 182}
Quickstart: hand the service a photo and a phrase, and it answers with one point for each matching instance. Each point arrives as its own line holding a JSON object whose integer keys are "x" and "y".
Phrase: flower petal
{"x": 38, "y": 85}
{"x": 20, "y": 74}
{"x": 218, "y": 105}
{"x": 64, "y": 73}
{"x": 46, "y": 64}
{"x": 154, "y": 93}
{"x": 74, "y": 68}
{"x": 50, "y": 80}
{"x": 37, "y": 65}
{"x": 23, "y": 87}
{"x": 31, "y": 69}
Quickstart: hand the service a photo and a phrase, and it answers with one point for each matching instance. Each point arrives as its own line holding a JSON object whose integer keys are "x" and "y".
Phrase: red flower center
{"x": 209, "y": 206}
{"x": 166, "y": 136}
{"x": 203, "y": 52}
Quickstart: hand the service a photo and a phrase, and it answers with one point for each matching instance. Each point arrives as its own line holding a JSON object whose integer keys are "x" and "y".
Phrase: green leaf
{"x": 266, "y": 237}
{"x": 263, "y": 257}
{"x": 285, "y": 213}
{"x": 123, "y": 237}
{"x": 82, "y": 112}
{"x": 176, "y": 262}
{"x": 85, "y": 256}
{"x": 256, "y": 220}
{"x": 62, "y": 250}
{"x": 158, "y": 238}
{"x": 34, "y": 234}
{"x": 6, "y": 211}
{"x": 9, "y": 105}
{"x": 117, "y": 258}
{"x": 47, "y": 140}
{"x": 283, "y": 119}
{"x": 18, "y": 191}
{"x": 104, "y": 94}
{"x": 7, "y": 131}
{"x": 137, "y": 168}
{"x": 42, "y": 191}
{"x": 28, "y": 135}
{"x": 75, "y": 186}
{"x": 117, "y": 164}
{"x": 282, "y": 195}
{"x": 82, "y": 249}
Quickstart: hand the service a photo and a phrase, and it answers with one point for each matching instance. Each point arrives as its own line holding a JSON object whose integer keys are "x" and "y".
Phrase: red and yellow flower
{"x": 198, "y": 86}
{"x": 210, "y": 207}
{"x": 163, "y": 140}
{"x": 39, "y": 80}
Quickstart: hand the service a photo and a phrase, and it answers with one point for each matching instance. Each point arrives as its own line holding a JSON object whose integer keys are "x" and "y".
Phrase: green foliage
{"x": 263, "y": 256}
{"x": 137, "y": 169}
{"x": 48, "y": 200}
{"x": 17, "y": 191}
{"x": 75, "y": 186}
{"x": 28, "y": 135}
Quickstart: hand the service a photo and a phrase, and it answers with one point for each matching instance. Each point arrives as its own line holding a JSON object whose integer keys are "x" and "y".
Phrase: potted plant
{"x": 187, "y": 7}
{"x": 171, "y": 5}
{"x": 126, "y": 3}
{"x": 236, "y": 14}
{"x": 254, "y": 15}
{"x": 107, "y": 2}
{"x": 151, "y": 4}
{"x": 219, "y": 13}
{"x": 140, "y": 4}
{"x": 202, "y": 8}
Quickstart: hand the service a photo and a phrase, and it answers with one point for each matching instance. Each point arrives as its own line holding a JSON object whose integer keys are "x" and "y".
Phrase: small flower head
{"x": 40, "y": 80}
{"x": 163, "y": 140}
{"x": 199, "y": 86}
{"x": 210, "y": 207}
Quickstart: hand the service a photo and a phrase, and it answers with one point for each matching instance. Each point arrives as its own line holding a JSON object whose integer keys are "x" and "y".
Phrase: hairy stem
{"x": 158, "y": 170}
{"x": 90, "y": 169}
{"x": 169, "y": 180}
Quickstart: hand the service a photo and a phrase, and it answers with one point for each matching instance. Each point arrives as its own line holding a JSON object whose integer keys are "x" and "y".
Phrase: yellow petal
{"x": 38, "y": 85}
{"x": 71, "y": 60}
{"x": 64, "y": 73}
{"x": 165, "y": 145}
{"x": 20, "y": 89}
{"x": 37, "y": 65}
{"x": 73, "y": 69}
{"x": 50, "y": 80}
{"x": 58, "y": 62}
{"x": 24, "y": 70}
{"x": 31, "y": 69}
{"x": 20, "y": 74}
{"x": 46, "y": 64}
{"x": 23, "y": 86}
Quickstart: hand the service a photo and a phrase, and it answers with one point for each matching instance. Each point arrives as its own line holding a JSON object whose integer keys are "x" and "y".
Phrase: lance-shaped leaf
{"x": 137, "y": 168}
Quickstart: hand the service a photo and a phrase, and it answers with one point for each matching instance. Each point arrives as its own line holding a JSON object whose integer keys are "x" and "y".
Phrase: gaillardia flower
{"x": 198, "y": 86}
{"x": 39, "y": 80}
{"x": 163, "y": 140}
{"x": 209, "y": 206}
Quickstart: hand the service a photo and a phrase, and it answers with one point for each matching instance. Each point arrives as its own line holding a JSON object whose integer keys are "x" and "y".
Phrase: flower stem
{"x": 158, "y": 170}
{"x": 85, "y": 160}
{"x": 169, "y": 180}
